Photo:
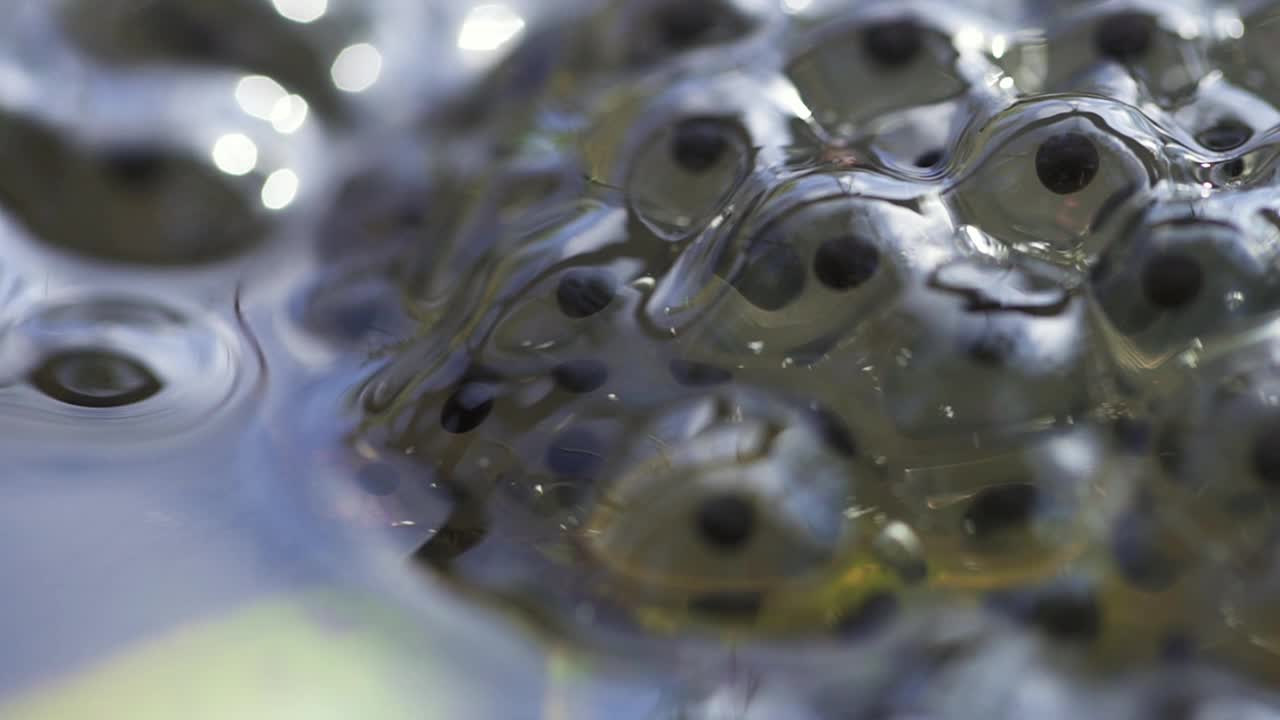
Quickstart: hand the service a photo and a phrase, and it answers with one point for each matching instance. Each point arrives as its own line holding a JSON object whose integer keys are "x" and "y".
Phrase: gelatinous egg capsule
{"x": 254, "y": 36}
{"x": 914, "y": 141}
{"x": 976, "y": 356}
{"x": 1187, "y": 554}
{"x": 1186, "y": 274}
{"x": 927, "y": 673}
{"x": 678, "y": 157}
{"x": 505, "y": 227}
{"x": 1217, "y": 444}
{"x": 800, "y": 272}
{"x": 1243, "y": 48}
{"x": 647, "y": 33}
{"x": 1010, "y": 519}
{"x": 1161, "y": 46}
{"x": 856, "y": 67}
{"x": 731, "y": 507}
{"x": 1223, "y": 118}
{"x": 1049, "y": 177}
{"x": 195, "y": 180}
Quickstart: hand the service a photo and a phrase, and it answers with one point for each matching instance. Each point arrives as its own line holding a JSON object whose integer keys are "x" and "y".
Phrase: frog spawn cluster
{"x": 819, "y": 312}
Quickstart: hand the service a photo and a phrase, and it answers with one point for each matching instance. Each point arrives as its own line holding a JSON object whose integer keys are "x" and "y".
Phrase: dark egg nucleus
{"x": 698, "y": 144}
{"x": 727, "y": 521}
{"x": 845, "y": 262}
{"x": 1067, "y": 163}
{"x": 95, "y": 379}
{"x": 1124, "y": 36}
{"x": 583, "y": 292}
{"x": 1171, "y": 280}
{"x": 893, "y": 43}
{"x": 1226, "y": 135}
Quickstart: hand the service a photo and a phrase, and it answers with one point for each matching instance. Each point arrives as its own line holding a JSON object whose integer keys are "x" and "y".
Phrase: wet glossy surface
{"x": 647, "y": 359}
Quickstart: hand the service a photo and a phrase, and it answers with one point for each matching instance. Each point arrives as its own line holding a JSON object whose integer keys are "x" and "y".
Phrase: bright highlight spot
{"x": 969, "y": 38}
{"x": 795, "y": 6}
{"x": 489, "y": 27}
{"x": 999, "y": 45}
{"x": 303, "y": 11}
{"x": 280, "y": 189}
{"x": 357, "y": 68}
{"x": 288, "y": 114}
{"x": 235, "y": 154}
{"x": 258, "y": 94}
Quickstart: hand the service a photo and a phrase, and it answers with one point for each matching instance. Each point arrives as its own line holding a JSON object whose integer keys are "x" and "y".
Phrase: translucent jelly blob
{"x": 816, "y": 322}
{"x": 251, "y": 36}
{"x": 120, "y": 369}
{"x": 94, "y": 379}
{"x": 1187, "y": 273}
{"x": 1059, "y": 178}
{"x": 128, "y": 202}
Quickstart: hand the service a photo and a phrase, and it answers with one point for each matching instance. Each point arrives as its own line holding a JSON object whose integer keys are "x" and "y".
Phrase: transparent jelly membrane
{"x": 102, "y": 369}
{"x": 1052, "y": 174}
{"x": 856, "y": 308}
{"x": 250, "y": 35}
{"x": 1185, "y": 274}
{"x": 822, "y": 240}
{"x": 1162, "y": 48}
{"x": 795, "y": 358}
{"x": 1209, "y": 490}
{"x": 898, "y": 60}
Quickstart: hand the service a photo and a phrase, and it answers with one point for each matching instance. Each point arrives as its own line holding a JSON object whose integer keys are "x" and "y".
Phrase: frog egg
{"x": 977, "y": 667}
{"x": 244, "y": 34}
{"x": 726, "y": 500}
{"x": 1162, "y": 47}
{"x": 643, "y": 34}
{"x": 1194, "y": 692}
{"x": 979, "y": 349}
{"x": 1224, "y": 117}
{"x": 1050, "y": 177}
{"x": 1007, "y": 519}
{"x": 851, "y": 70}
{"x": 797, "y": 275}
{"x": 1244, "y": 53}
{"x": 1187, "y": 273}
{"x": 140, "y": 202}
{"x": 681, "y": 155}
{"x": 1217, "y": 492}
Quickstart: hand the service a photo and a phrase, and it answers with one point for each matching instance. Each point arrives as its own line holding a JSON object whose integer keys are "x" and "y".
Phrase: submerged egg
{"x": 94, "y": 379}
